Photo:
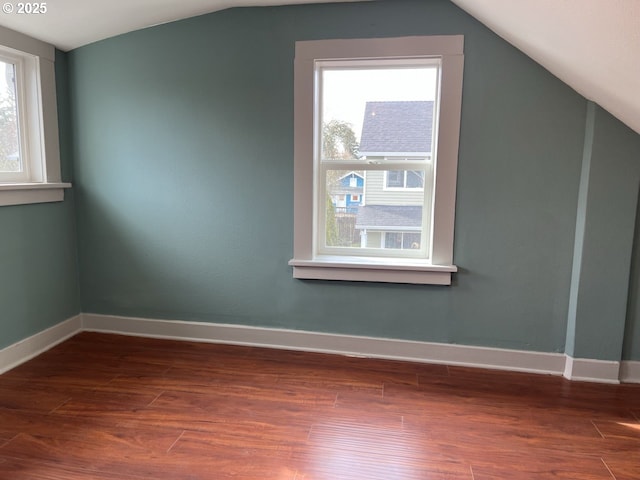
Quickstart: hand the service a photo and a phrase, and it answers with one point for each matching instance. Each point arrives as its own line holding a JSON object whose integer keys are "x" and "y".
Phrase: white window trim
{"x": 45, "y": 183}
{"x": 437, "y": 270}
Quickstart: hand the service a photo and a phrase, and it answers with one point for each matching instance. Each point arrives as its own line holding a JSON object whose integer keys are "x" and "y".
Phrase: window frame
{"x": 438, "y": 267}
{"x": 38, "y": 122}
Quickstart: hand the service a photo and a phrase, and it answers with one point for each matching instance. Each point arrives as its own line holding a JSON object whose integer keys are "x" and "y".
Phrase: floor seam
{"x": 598, "y": 430}
{"x": 176, "y": 441}
{"x": 607, "y": 466}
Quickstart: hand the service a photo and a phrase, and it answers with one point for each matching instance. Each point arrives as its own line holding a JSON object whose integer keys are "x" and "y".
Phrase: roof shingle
{"x": 399, "y": 126}
{"x": 407, "y": 216}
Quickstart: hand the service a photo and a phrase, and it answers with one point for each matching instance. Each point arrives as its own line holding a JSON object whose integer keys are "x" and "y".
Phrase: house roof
{"x": 356, "y": 174}
{"x": 397, "y": 127}
{"x": 389, "y": 217}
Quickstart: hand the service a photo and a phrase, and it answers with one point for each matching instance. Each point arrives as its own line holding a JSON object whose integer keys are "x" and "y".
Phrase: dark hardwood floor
{"x": 113, "y": 407}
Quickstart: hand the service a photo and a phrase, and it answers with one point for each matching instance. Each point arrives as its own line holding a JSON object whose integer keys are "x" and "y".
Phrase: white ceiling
{"x": 69, "y": 24}
{"x": 592, "y": 45}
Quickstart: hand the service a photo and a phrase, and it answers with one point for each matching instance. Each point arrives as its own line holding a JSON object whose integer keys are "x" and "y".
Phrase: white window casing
{"x": 40, "y": 179}
{"x": 433, "y": 266}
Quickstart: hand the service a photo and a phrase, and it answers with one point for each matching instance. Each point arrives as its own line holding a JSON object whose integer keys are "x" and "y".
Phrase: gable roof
{"x": 354, "y": 173}
{"x": 403, "y": 127}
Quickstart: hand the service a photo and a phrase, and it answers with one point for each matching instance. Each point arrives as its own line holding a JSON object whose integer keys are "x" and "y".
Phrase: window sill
{"x": 26, "y": 193}
{"x": 361, "y": 269}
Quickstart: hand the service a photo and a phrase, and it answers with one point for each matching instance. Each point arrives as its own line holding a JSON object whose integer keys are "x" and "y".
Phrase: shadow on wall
{"x": 141, "y": 257}
{"x": 38, "y": 269}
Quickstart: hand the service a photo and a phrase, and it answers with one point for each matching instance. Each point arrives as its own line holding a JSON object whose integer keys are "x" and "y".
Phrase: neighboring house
{"x": 391, "y": 215}
{"x": 390, "y": 226}
{"x": 346, "y": 193}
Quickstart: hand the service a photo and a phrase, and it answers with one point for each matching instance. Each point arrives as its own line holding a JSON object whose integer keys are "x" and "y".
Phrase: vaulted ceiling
{"x": 592, "y": 45}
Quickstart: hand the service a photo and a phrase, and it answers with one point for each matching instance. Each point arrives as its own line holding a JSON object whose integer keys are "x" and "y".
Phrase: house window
{"x": 29, "y": 148}
{"x": 390, "y": 110}
{"x": 402, "y": 240}
{"x": 404, "y": 179}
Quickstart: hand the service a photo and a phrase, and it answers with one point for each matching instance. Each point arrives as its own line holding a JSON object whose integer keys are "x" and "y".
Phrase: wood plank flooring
{"x": 113, "y": 407}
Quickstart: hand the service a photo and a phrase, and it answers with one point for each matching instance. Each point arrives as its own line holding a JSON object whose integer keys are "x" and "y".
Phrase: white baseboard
{"x": 30, "y": 347}
{"x": 630, "y": 371}
{"x": 589, "y": 370}
{"x": 393, "y": 349}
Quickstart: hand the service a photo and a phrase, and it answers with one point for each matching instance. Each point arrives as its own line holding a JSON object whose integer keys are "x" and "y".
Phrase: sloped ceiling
{"x": 592, "y": 45}
{"x": 70, "y": 24}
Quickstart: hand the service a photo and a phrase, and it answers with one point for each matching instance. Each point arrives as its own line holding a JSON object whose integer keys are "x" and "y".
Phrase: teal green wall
{"x": 38, "y": 254}
{"x": 604, "y": 240}
{"x": 183, "y": 141}
{"x": 631, "y": 349}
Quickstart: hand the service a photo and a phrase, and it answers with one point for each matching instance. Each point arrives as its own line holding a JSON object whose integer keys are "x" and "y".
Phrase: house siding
{"x": 376, "y": 194}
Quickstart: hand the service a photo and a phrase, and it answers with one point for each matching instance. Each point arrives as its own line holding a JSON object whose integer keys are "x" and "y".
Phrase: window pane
{"x": 9, "y": 139}
{"x": 393, "y": 240}
{"x": 360, "y": 212}
{"x": 410, "y": 240}
{"x": 402, "y": 240}
{"x": 388, "y": 111}
{"x": 343, "y": 197}
{"x": 415, "y": 179}
{"x": 373, "y": 113}
{"x": 395, "y": 179}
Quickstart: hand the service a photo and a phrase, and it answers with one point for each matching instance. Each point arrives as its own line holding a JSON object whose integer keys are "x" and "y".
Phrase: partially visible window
{"x": 11, "y": 165}
{"x": 388, "y": 109}
{"x": 29, "y": 145}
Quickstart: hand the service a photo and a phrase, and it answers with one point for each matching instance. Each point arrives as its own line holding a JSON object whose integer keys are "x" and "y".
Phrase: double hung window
{"x": 388, "y": 112}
